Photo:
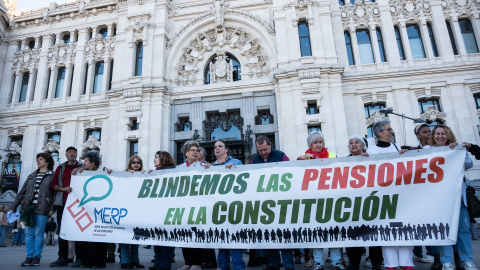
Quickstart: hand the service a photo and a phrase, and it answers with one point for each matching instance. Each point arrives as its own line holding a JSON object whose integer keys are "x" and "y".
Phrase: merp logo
{"x": 96, "y": 188}
{"x": 102, "y": 184}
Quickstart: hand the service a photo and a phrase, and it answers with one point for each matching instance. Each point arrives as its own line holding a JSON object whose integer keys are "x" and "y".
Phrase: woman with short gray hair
{"x": 317, "y": 150}
{"x": 316, "y": 147}
{"x": 190, "y": 149}
{"x": 357, "y": 146}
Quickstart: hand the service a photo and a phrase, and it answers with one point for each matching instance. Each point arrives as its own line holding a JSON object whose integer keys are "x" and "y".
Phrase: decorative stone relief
{"x": 62, "y": 54}
{"x": 307, "y": 91}
{"x": 455, "y": 8}
{"x": 72, "y": 11}
{"x": 99, "y": 48}
{"x": 26, "y": 59}
{"x": 375, "y": 117}
{"x": 406, "y": 10}
{"x": 138, "y": 28}
{"x": 221, "y": 70}
{"x": 236, "y": 38}
{"x": 51, "y": 146}
{"x": 308, "y": 74}
{"x": 132, "y": 93}
{"x": 91, "y": 143}
{"x": 15, "y": 149}
{"x": 301, "y": 4}
{"x": 218, "y": 10}
{"x": 432, "y": 114}
{"x": 360, "y": 14}
{"x": 225, "y": 121}
{"x": 133, "y": 108}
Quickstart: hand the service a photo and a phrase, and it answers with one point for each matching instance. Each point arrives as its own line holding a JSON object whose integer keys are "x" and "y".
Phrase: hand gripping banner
{"x": 382, "y": 200}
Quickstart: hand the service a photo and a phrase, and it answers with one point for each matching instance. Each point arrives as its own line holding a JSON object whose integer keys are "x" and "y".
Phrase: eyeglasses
{"x": 136, "y": 162}
{"x": 388, "y": 129}
{"x": 194, "y": 150}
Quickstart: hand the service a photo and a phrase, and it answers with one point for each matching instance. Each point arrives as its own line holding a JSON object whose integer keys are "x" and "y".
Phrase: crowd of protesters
{"x": 45, "y": 191}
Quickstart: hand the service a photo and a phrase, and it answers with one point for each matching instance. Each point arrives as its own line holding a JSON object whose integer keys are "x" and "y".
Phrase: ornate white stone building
{"x": 138, "y": 76}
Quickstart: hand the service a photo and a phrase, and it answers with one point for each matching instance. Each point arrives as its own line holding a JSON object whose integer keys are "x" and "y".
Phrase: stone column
{"x": 475, "y": 19}
{"x": 441, "y": 32}
{"x": 16, "y": 87}
{"x": 91, "y": 73}
{"x": 94, "y": 32}
{"x": 23, "y": 45}
{"x": 52, "y": 83}
{"x": 72, "y": 36}
{"x": 356, "y": 51}
{"x": 66, "y": 82}
{"x": 78, "y": 77}
{"x": 106, "y": 75}
{"x": 110, "y": 30}
{"x": 374, "y": 40}
{"x": 37, "y": 42}
{"x": 458, "y": 37}
{"x": 427, "y": 44}
{"x": 57, "y": 38}
{"x": 406, "y": 43}
{"x": 31, "y": 86}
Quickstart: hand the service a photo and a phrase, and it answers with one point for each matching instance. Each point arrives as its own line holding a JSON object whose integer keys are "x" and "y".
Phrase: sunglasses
{"x": 136, "y": 162}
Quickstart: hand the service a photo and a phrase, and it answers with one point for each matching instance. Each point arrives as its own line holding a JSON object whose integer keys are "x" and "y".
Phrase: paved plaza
{"x": 11, "y": 257}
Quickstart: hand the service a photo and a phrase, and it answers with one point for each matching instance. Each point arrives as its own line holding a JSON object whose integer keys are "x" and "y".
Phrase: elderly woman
{"x": 91, "y": 254}
{"x": 129, "y": 252}
{"x": 317, "y": 150}
{"x": 192, "y": 256}
{"x": 442, "y": 136}
{"x": 358, "y": 147}
{"x": 393, "y": 256}
{"x": 35, "y": 199}
{"x": 190, "y": 149}
{"x": 316, "y": 147}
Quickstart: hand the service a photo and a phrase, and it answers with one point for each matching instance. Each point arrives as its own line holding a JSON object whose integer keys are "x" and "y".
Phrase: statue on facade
{"x": 219, "y": 9}
{"x": 221, "y": 70}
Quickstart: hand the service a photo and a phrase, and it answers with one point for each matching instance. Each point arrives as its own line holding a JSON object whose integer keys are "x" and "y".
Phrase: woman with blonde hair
{"x": 129, "y": 252}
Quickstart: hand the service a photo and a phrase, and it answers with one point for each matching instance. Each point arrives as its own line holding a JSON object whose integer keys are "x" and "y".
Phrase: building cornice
{"x": 54, "y": 109}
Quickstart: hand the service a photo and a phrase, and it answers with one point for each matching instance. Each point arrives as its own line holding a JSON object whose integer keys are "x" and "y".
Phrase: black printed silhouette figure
{"x": 447, "y": 229}
{"x": 424, "y": 232}
{"x": 310, "y": 235}
{"x": 442, "y": 231}
{"x": 299, "y": 235}
{"x": 266, "y": 235}
{"x": 343, "y": 233}
{"x": 280, "y": 235}
{"x": 217, "y": 234}
{"x": 259, "y": 235}
{"x": 435, "y": 230}
{"x": 394, "y": 233}
{"x": 273, "y": 236}
{"x": 400, "y": 231}
{"x": 325, "y": 235}
{"x": 405, "y": 232}
{"x": 294, "y": 232}
{"x": 210, "y": 235}
{"x": 237, "y": 235}
{"x": 330, "y": 232}
{"x": 336, "y": 231}
{"x": 315, "y": 235}
{"x": 222, "y": 236}
{"x": 228, "y": 235}
{"x": 382, "y": 232}
{"x": 429, "y": 229}
{"x": 287, "y": 235}
{"x": 410, "y": 231}
{"x": 387, "y": 234}
{"x": 304, "y": 234}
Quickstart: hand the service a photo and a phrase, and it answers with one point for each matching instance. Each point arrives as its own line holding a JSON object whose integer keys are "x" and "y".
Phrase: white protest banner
{"x": 388, "y": 199}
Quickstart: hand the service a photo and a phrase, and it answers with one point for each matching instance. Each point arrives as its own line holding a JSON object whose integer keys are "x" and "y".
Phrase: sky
{"x": 36, "y": 4}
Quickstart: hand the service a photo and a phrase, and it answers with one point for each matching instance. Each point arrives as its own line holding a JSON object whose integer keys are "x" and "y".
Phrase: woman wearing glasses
{"x": 393, "y": 256}
{"x": 192, "y": 256}
{"x": 129, "y": 258}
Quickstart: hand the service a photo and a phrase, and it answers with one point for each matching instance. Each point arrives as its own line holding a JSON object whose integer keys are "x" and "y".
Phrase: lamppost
{"x": 389, "y": 110}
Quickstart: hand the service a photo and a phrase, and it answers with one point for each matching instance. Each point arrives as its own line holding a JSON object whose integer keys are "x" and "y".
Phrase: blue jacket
{"x": 229, "y": 160}
{"x": 275, "y": 156}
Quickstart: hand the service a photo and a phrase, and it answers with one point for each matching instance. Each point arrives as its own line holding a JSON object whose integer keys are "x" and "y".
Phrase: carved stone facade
{"x": 186, "y": 89}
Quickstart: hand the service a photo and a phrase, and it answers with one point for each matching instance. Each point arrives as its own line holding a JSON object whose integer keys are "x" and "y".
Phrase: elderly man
{"x": 265, "y": 155}
{"x": 393, "y": 256}
{"x": 61, "y": 184}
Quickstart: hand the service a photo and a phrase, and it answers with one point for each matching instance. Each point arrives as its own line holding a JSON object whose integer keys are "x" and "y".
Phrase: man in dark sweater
{"x": 265, "y": 155}
{"x": 61, "y": 184}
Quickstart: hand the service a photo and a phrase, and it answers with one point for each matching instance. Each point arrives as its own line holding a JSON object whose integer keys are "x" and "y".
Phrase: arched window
{"x": 237, "y": 68}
